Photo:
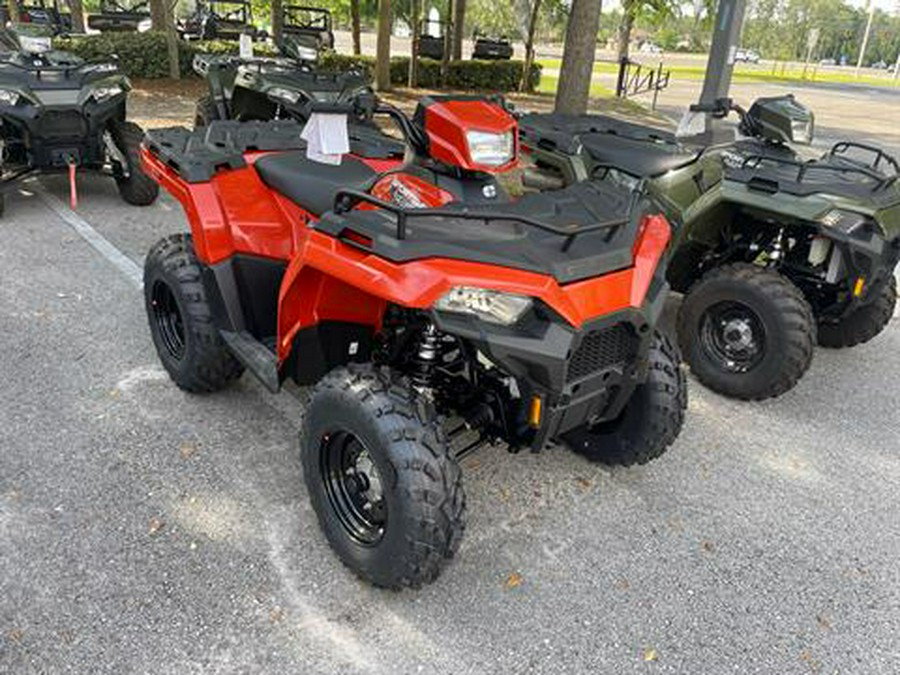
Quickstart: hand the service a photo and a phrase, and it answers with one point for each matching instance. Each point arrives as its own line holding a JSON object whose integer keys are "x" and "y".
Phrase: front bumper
{"x": 582, "y": 376}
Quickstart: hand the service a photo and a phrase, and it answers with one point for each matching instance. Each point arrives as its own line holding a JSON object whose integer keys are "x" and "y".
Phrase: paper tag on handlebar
{"x": 692, "y": 124}
{"x": 327, "y": 138}
{"x": 245, "y": 46}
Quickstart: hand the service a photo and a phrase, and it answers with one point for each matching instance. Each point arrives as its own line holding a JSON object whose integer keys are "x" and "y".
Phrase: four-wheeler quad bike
{"x": 121, "y": 16}
{"x": 221, "y": 20}
{"x": 256, "y": 88}
{"x": 492, "y": 47}
{"x": 774, "y": 251}
{"x": 40, "y": 13}
{"x": 433, "y": 38}
{"x": 310, "y": 27}
{"x": 60, "y": 113}
{"x": 407, "y": 294}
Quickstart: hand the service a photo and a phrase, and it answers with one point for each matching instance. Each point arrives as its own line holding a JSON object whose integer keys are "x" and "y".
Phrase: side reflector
{"x": 859, "y": 287}
{"x": 534, "y": 415}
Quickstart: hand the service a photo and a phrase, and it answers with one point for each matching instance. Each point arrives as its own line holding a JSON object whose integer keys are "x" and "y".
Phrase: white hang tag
{"x": 326, "y": 136}
{"x": 692, "y": 124}
{"x": 245, "y": 46}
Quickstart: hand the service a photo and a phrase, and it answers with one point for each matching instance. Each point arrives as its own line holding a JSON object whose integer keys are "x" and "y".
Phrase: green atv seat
{"x": 636, "y": 157}
{"x": 312, "y": 185}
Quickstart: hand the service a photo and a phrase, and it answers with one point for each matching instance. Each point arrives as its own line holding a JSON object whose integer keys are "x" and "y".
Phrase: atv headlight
{"x": 488, "y": 305}
{"x": 8, "y": 97}
{"x": 307, "y": 54}
{"x": 101, "y": 94}
{"x": 144, "y": 25}
{"x": 490, "y": 149}
{"x": 843, "y": 221}
{"x": 285, "y": 94}
{"x": 801, "y": 131}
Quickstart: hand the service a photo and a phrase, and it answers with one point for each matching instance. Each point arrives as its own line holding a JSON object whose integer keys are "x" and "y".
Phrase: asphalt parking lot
{"x": 146, "y": 530}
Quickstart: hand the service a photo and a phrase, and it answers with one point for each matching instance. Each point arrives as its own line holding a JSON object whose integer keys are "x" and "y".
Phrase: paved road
{"x": 145, "y": 530}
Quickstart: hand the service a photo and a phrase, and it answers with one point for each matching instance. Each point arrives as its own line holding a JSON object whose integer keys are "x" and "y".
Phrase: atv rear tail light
{"x": 491, "y": 306}
{"x": 490, "y": 149}
{"x": 8, "y": 97}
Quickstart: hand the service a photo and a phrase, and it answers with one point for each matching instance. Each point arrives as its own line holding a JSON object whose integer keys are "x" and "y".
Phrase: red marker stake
{"x": 73, "y": 189}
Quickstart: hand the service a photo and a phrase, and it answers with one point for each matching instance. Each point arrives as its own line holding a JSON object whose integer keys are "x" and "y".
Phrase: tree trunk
{"x": 277, "y": 21}
{"x": 578, "y": 57}
{"x": 77, "y": 9}
{"x": 12, "y": 8}
{"x": 383, "y": 47}
{"x": 172, "y": 40}
{"x": 525, "y": 84}
{"x": 355, "y": 27}
{"x": 624, "y": 36}
{"x": 459, "y": 27}
{"x": 414, "y": 10}
{"x": 157, "y": 14}
{"x": 447, "y": 52}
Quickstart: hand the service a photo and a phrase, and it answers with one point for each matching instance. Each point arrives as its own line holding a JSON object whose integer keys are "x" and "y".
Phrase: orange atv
{"x": 419, "y": 301}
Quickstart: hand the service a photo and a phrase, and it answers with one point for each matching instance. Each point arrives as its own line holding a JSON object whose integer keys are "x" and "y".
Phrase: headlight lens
{"x": 490, "y": 149}
{"x": 844, "y": 221}
{"x": 101, "y": 94}
{"x": 8, "y": 97}
{"x": 145, "y": 25}
{"x": 284, "y": 94}
{"x": 801, "y": 131}
{"x": 492, "y": 306}
{"x": 307, "y": 54}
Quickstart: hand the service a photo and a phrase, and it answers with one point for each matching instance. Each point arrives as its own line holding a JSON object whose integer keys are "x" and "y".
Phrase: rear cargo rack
{"x": 842, "y": 147}
{"x": 346, "y": 199}
{"x": 755, "y": 162}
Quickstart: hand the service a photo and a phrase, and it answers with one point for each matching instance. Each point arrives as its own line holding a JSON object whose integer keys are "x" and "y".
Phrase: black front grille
{"x": 62, "y": 124}
{"x": 604, "y": 348}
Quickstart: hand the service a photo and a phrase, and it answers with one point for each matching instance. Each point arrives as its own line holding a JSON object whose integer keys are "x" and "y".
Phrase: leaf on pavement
{"x": 514, "y": 580}
{"x": 650, "y": 654}
{"x": 155, "y": 526}
{"x": 187, "y": 449}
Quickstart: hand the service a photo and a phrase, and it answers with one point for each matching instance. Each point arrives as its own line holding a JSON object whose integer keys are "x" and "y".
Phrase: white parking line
{"x": 83, "y": 229}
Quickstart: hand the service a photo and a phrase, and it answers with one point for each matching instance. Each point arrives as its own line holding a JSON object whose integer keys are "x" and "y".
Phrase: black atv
{"x": 492, "y": 47}
{"x": 283, "y": 88}
{"x": 221, "y": 20}
{"x": 308, "y": 27}
{"x": 60, "y": 113}
{"x": 431, "y": 45}
{"x": 777, "y": 248}
{"x": 121, "y": 16}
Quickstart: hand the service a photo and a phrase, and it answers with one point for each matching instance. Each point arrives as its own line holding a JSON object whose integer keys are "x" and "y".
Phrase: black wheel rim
{"x": 733, "y": 336}
{"x": 354, "y": 487}
{"x": 168, "y": 319}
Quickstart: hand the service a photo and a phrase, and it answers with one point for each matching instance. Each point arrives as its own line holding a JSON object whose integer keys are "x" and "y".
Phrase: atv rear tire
{"x": 746, "y": 332}
{"x": 380, "y": 477}
{"x": 181, "y": 323}
{"x": 205, "y": 112}
{"x": 137, "y": 189}
{"x": 650, "y": 422}
{"x": 862, "y": 324}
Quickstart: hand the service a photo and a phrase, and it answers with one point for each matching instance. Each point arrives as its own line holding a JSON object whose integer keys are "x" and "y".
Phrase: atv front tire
{"x": 650, "y": 422}
{"x": 137, "y": 188}
{"x": 862, "y": 324}
{"x": 380, "y": 477}
{"x": 746, "y": 332}
{"x": 205, "y": 112}
{"x": 181, "y": 323}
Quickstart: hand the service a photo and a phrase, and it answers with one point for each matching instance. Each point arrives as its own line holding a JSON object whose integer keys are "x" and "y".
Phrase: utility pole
{"x": 862, "y": 50}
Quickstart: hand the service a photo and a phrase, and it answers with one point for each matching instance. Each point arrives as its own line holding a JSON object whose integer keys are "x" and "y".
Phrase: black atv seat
{"x": 312, "y": 185}
{"x": 638, "y": 158}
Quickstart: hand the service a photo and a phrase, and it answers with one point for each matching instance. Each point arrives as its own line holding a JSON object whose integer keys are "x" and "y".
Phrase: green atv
{"x": 775, "y": 249}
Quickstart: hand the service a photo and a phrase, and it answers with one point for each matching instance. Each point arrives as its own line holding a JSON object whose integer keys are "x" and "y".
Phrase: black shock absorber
{"x": 426, "y": 357}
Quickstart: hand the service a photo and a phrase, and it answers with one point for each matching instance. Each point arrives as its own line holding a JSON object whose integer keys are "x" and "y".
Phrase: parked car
{"x": 746, "y": 56}
{"x": 650, "y": 48}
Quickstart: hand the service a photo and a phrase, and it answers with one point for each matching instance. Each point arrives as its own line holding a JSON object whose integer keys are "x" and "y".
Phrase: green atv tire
{"x": 746, "y": 331}
{"x": 137, "y": 189}
{"x": 862, "y": 324}
{"x": 387, "y": 491}
{"x": 181, "y": 323}
{"x": 651, "y": 420}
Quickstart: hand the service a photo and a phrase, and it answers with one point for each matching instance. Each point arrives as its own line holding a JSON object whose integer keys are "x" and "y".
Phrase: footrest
{"x": 255, "y": 356}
